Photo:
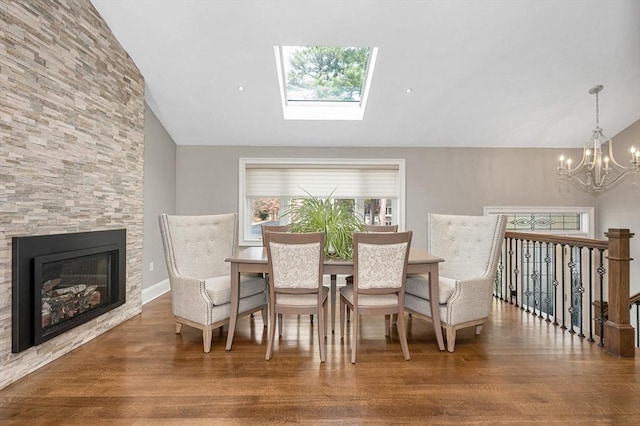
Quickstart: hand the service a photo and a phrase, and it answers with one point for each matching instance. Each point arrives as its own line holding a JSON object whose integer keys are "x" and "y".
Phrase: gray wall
{"x": 159, "y": 194}
{"x": 439, "y": 180}
{"x": 619, "y": 207}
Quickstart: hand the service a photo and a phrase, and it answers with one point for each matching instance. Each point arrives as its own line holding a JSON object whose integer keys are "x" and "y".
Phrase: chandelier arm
{"x": 619, "y": 177}
{"x": 576, "y": 178}
{"x": 578, "y": 169}
{"x": 613, "y": 160}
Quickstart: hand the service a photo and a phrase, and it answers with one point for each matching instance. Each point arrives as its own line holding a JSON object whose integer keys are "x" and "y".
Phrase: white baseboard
{"x": 154, "y": 291}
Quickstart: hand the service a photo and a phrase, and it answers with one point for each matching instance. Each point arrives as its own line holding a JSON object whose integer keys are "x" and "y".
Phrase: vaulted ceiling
{"x": 500, "y": 73}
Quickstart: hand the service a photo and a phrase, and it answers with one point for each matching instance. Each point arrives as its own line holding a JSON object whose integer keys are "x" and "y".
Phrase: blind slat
{"x": 320, "y": 182}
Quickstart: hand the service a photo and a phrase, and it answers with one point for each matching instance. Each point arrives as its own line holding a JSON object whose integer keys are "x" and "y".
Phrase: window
{"x": 324, "y": 82}
{"x": 375, "y": 187}
{"x": 568, "y": 221}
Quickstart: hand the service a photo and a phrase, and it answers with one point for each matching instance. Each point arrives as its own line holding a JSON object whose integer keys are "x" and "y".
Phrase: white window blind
{"x": 345, "y": 178}
{"x": 344, "y": 181}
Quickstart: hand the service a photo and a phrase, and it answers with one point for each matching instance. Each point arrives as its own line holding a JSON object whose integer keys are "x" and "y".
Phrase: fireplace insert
{"x": 64, "y": 280}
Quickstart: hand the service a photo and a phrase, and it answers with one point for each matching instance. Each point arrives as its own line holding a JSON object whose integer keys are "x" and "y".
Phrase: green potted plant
{"x": 336, "y": 218}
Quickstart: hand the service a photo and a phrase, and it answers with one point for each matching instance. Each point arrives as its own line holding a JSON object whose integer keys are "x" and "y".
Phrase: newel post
{"x": 618, "y": 332}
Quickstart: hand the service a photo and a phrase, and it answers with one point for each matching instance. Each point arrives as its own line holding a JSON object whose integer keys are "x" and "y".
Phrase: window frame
{"x": 245, "y": 211}
{"x": 587, "y": 218}
{"x": 318, "y": 110}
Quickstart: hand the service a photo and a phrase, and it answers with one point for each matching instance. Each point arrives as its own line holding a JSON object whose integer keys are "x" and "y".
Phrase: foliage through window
{"x": 324, "y": 73}
{"x": 324, "y": 82}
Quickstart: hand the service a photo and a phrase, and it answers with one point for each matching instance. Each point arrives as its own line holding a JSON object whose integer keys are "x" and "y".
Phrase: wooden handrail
{"x": 546, "y": 238}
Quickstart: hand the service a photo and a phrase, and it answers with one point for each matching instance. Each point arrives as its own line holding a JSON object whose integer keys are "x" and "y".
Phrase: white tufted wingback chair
{"x": 195, "y": 249}
{"x": 470, "y": 247}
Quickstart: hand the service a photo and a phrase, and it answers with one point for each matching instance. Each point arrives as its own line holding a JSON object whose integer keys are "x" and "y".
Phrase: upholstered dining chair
{"x": 373, "y": 228}
{"x": 379, "y": 278}
{"x": 274, "y": 228}
{"x": 296, "y": 263}
{"x": 471, "y": 248}
{"x": 195, "y": 249}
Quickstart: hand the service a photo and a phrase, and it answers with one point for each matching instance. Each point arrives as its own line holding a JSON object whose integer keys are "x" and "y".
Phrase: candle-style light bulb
{"x": 606, "y": 163}
{"x": 568, "y": 164}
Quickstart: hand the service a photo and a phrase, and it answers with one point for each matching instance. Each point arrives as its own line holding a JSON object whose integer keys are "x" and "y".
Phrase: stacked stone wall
{"x": 71, "y": 153}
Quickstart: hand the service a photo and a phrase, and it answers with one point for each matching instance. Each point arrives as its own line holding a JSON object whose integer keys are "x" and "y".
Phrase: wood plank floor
{"x": 519, "y": 371}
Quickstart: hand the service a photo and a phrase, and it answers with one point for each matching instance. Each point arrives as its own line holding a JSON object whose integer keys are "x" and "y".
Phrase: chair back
{"x": 470, "y": 245}
{"x": 380, "y": 228}
{"x": 197, "y": 246}
{"x": 274, "y": 228}
{"x": 380, "y": 261}
{"x": 296, "y": 261}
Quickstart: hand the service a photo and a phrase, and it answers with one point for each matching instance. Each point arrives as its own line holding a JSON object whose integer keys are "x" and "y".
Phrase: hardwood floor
{"x": 519, "y": 371}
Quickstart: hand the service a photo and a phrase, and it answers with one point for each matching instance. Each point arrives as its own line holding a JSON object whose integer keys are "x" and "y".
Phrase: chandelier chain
{"x": 597, "y": 110}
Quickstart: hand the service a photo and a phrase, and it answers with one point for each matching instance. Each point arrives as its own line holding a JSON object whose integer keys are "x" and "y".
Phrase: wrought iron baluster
{"x": 516, "y": 273}
{"x": 547, "y": 299}
{"x": 580, "y": 309}
{"x": 564, "y": 327}
{"x": 555, "y": 284}
{"x": 527, "y": 260}
{"x": 591, "y": 299}
{"x": 572, "y": 274}
{"x": 601, "y": 272}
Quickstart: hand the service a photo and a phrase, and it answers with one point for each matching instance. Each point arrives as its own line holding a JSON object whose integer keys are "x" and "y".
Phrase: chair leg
{"x": 387, "y": 325}
{"x": 343, "y": 308}
{"x": 326, "y": 316}
{"x": 178, "y": 327}
{"x": 479, "y": 329}
{"x": 207, "y": 333}
{"x": 272, "y": 332}
{"x": 402, "y": 333}
{"x": 322, "y": 332}
{"x": 265, "y": 315}
{"x": 280, "y": 325}
{"x": 451, "y": 338}
{"x": 354, "y": 335}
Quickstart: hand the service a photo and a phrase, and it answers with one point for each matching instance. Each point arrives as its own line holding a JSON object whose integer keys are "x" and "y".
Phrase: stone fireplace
{"x": 71, "y": 161}
{"x": 61, "y": 281}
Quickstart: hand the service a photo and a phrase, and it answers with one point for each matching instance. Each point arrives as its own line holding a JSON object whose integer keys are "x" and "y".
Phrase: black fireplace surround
{"x": 63, "y": 280}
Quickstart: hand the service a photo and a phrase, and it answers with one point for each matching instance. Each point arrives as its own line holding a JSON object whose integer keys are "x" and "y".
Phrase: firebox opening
{"x": 64, "y": 280}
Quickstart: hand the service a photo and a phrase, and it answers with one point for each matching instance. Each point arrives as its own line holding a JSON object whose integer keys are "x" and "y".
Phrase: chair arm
{"x": 471, "y": 300}
{"x": 190, "y": 300}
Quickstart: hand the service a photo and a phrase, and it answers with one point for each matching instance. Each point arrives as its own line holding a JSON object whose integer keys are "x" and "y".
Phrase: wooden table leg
{"x": 434, "y": 297}
{"x": 333, "y": 302}
{"x": 235, "y": 302}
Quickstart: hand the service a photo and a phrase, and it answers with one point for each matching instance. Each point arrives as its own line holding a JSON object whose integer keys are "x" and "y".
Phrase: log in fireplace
{"x": 61, "y": 281}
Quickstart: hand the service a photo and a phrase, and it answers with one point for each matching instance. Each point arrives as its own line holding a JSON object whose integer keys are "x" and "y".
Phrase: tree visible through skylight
{"x": 324, "y": 82}
{"x": 325, "y": 73}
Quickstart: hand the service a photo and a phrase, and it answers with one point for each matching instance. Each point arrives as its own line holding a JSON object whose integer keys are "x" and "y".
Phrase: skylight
{"x": 324, "y": 82}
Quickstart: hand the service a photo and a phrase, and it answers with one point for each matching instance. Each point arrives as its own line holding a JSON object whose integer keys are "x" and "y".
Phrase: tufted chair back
{"x": 198, "y": 245}
{"x": 470, "y": 245}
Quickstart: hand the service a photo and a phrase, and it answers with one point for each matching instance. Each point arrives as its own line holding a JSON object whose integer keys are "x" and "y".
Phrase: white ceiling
{"x": 502, "y": 73}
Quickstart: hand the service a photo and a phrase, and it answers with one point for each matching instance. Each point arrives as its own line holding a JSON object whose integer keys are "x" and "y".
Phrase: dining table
{"x": 254, "y": 260}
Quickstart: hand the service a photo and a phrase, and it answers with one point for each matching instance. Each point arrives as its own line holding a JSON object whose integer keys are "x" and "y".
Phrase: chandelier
{"x": 597, "y": 172}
